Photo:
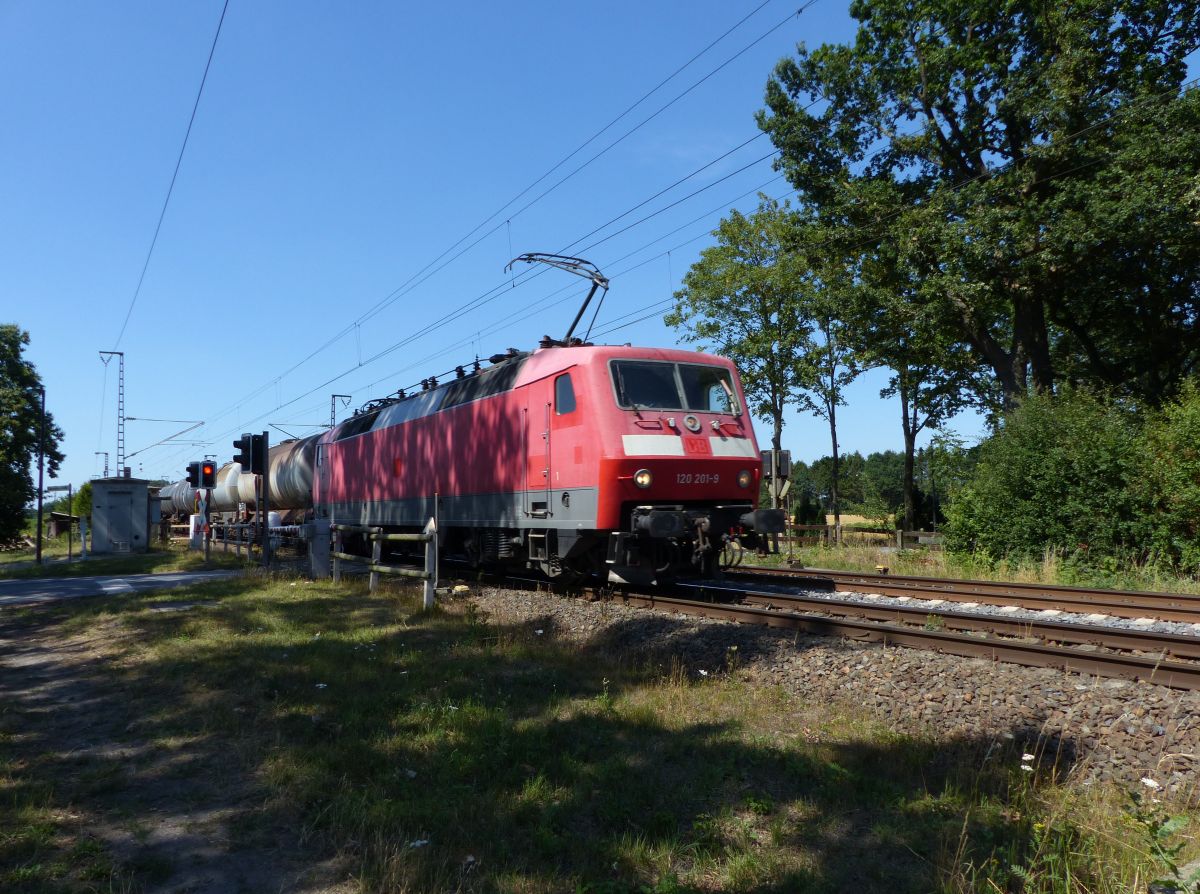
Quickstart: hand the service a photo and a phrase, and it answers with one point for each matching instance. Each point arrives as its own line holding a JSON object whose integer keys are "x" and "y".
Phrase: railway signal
{"x": 244, "y": 451}
{"x": 208, "y": 473}
{"x": 252, "y": 453}
{"x": 193, "y": 474}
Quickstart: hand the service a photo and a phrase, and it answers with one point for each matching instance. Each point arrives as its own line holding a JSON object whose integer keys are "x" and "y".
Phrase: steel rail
{"x": 1161, "y": 672}
{"x": 1181, "y": 607}
{"x": 1117, "y": 638}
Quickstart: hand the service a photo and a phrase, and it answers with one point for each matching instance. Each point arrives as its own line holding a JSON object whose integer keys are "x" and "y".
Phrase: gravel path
{"x": 1107, "y": 729}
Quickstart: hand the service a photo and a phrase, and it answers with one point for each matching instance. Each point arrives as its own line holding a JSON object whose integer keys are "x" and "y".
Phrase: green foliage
{"x": 1022, "y": 174}
{"x": 1171, "y": 481}
{"x": 20, "y": 431}
{"x": 1060, "y": 474}
{"x": 1165, "y": 842}
{"x": 81, "y": 502}
{"x": 739, "y": 301}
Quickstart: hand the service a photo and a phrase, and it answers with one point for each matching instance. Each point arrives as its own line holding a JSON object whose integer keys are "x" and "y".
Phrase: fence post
{"x": 337, "y": 562}
{"x": 376, "y": 555}
{"x": 431, "y": 563}
{"x": 899, "y": 538}
{"x": 318, "y": 548}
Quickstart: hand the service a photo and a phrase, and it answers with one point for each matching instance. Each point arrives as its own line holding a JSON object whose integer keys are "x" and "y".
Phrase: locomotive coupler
{"x": 658, "y": 523}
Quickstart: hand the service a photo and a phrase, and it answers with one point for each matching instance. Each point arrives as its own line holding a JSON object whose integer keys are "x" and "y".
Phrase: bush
{"x": 1170, "y": 482}
{"x": 1059, "y": 474}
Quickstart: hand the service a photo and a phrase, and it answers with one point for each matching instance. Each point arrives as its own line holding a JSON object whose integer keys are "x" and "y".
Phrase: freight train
{"x": 629, "y": 464}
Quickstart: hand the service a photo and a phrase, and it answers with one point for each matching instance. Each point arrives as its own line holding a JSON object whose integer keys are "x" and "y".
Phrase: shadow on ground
{"x": 288, "y": 740}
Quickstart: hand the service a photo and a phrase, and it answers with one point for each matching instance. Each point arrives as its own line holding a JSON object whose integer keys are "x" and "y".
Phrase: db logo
{"x": 696, "y": 447}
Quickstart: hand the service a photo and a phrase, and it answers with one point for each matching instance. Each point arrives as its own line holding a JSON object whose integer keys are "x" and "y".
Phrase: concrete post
{"x": 318, "y": 548}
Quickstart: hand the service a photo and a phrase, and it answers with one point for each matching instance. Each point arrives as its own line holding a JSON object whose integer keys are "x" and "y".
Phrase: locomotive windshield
{"x": 655, "y": 385}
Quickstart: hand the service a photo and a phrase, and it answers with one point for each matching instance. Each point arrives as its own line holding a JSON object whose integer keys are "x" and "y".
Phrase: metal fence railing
{"x": 375, "y": 566}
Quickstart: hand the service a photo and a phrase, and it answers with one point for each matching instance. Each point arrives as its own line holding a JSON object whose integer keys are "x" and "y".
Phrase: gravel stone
{"x": 1100, "y": 729}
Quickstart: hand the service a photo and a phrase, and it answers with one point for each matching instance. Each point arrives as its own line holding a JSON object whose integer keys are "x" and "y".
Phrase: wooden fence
{"x": 826, "y": 535}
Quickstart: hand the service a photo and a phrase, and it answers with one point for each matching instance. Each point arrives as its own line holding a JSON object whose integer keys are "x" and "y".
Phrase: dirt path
{"x": 128, "y": 790}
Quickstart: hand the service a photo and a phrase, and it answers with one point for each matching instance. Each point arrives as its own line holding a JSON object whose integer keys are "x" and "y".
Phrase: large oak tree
{"x": 1033, "y": 165}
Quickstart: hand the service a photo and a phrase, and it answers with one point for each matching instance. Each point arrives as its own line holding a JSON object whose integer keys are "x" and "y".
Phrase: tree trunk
{"x": 831, "y": 406}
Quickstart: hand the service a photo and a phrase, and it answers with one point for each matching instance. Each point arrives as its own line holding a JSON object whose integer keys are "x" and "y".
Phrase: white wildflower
{"x": 704, "y": 673}
{"x": 1027, "y": 768}
{"x": 322, "y": 685}
{"x": 1150, "y": 783}
{"x": 1027, "y": 756}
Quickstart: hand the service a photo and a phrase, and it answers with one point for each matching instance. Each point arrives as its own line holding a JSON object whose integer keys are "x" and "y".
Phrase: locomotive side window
{"x": 564, "y": 395}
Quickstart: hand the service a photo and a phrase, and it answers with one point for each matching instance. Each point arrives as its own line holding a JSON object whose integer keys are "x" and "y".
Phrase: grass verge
{"x": 173, "y": 557}
{"x": 1052, "y": 569}
{"x": 437, "y": 751}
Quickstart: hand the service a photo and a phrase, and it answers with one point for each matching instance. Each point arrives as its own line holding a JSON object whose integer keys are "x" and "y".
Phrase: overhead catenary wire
{"x": 663, "y": 301}
{"x": 413, "y": 281}
{"x": 991, "y": 172}
{"x": 509, "y": 283}
{"x": 326, "y": 383}
{"x": 425, "y": 273}
{"x": 175, "y": 174}
{"x": 588, "y": 142}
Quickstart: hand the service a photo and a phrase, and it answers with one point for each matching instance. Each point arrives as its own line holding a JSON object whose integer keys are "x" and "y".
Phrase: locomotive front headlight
{"x": 744, "y": 478}
{"x": 642, "y": 478}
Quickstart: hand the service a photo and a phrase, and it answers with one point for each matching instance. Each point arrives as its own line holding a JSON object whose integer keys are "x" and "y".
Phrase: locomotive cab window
{"x": 564, "y": 395}
{"x": 707, "y": 388}
{"x": 656, "y": 385}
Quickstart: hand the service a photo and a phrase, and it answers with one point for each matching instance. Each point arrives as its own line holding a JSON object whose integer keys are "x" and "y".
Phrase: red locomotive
{"x": 631, "y": 464}
{"x": 636, "y": 461}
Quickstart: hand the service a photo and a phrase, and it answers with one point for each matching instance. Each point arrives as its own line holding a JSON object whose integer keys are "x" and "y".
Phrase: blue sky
{"x": 338, "y": 149}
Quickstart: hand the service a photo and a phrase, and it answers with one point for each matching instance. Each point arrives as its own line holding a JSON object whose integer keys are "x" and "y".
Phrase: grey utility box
{"x": 121, "y": 515}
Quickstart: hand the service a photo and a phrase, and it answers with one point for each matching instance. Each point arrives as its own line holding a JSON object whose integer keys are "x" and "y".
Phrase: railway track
{"x": 1166, "y": 659}
{"x": 1181, "y": 607}
{"x": 1105, "y": 652}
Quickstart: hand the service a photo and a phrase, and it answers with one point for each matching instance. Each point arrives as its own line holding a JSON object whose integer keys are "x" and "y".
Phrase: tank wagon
{"x": 632, "y": 464}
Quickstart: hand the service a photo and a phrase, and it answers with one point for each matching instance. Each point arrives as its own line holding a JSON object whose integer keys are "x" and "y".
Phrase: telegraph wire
{"x": 178, "y": 161}
{"x": 662, "y": 302}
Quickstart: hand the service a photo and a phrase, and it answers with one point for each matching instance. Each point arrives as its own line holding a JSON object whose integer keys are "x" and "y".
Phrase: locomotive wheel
{"x": 732, "y": 554}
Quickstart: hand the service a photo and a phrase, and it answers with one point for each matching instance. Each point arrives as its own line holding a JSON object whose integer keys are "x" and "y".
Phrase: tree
{"x": 1060, "y": 473}
{"x": 20, "y": 431}
{"x": 739, "y": 300}
{"x": 947, "y": 465}
{"x": 81, "y": 502}
{"x": 883, "y": 479}
{"x": 934, "y": 373}
{"x": 1034, "y": 164}
{"x": 848, "y": 475}
{"x": 827, "y": 362}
